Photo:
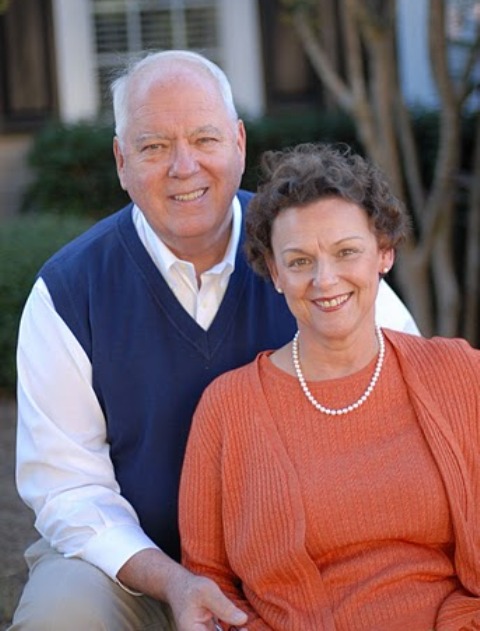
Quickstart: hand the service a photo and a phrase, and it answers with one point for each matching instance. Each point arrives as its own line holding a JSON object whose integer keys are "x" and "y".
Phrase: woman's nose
{"x": 324, "y": 274}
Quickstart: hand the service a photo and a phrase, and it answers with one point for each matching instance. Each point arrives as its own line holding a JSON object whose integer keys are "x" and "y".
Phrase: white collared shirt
{"x": 201, "y": 303}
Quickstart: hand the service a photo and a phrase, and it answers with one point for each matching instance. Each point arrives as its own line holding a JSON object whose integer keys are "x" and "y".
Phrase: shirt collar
{"x": 165, "y": 259}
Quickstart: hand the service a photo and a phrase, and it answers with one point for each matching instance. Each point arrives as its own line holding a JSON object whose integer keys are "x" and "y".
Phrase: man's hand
{"x": 196, "y": 601}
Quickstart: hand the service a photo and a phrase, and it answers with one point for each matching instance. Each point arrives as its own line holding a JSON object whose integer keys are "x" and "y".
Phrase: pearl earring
{"x": 279, "y": 291}
{"x": 385, "y": 270}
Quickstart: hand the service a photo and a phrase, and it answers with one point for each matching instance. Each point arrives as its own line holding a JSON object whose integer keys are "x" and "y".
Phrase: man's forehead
{"x": 174, "y": 75}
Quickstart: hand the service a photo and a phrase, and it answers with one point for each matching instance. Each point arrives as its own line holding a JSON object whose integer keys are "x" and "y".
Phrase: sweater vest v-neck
{"x": 150, "y": 360}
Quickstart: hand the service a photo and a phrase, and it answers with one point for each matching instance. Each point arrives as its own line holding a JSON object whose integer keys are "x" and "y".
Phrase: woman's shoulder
{"x": 429, "y": 344}
{"x": 437, "y": 354}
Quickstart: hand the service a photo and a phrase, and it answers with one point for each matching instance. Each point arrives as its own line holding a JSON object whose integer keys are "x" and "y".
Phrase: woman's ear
{"x": 272, "y": 268}
{"x": 387, "y": 260}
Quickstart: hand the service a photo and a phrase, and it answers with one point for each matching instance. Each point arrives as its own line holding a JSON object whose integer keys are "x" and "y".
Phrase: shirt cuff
{"x": 113, "y": 547}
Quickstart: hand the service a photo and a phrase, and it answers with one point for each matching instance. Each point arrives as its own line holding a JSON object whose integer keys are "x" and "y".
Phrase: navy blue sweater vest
{"x": 150, "y": 359}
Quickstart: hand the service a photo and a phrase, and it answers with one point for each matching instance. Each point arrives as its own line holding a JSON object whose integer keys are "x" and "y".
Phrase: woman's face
{"x": 327, "y": 261}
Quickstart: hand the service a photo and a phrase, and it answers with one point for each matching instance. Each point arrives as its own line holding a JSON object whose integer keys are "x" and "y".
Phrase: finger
{"x": 224, "y": 609}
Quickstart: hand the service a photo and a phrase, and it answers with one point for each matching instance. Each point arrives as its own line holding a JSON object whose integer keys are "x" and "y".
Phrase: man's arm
{"x": 65, "y": 474}
{"x": 195, "y": 600}
{"x": 64, "y": 471}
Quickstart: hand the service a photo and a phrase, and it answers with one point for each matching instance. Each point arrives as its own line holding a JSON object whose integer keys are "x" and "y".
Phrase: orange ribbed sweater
{"x": 317, "y": 523}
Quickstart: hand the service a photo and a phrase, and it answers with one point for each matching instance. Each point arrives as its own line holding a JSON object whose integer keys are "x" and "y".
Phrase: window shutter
{"x": 123, "y": 27}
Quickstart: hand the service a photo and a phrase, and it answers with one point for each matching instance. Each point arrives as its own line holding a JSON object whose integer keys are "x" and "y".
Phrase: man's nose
{"x": 183, "y": 161}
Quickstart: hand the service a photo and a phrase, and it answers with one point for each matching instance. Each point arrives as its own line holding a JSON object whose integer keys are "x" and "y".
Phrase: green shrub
{"x": 74, "y": 171}
{"x": 286, "y": 130}
{"x": 25, "y": 243}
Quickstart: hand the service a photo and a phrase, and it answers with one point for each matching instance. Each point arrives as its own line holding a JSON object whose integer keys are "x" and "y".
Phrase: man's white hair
{"x": 120, "y": 85}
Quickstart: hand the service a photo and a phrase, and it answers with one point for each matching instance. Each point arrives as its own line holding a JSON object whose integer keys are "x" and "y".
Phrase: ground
{"x": 16, "y": 520}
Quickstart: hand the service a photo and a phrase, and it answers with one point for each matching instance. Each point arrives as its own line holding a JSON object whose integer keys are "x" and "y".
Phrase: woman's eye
{"x": 347, "y": 252}
{"x": 300, "y": 262}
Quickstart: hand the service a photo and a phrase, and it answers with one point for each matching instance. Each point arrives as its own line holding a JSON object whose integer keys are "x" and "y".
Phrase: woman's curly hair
{"x": 304, "y": 174}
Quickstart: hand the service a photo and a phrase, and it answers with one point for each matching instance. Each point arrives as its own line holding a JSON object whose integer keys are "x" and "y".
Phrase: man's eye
{"x": 154, "y": 146}
{"x": 206, "y": 140}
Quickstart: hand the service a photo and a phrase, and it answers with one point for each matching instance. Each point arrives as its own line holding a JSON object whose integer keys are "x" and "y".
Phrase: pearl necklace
{"x": 352, "y": 406}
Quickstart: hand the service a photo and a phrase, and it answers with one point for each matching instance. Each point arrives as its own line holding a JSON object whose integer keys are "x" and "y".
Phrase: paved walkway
{"x": 16, "y": 530}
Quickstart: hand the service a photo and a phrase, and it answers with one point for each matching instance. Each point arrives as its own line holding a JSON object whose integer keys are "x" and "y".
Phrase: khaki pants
{"x": 73, "y": 595}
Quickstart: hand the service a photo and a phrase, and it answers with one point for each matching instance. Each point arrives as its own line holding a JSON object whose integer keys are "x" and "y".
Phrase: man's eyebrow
{"x": 151, "y": 136}
{"x": 206, "y": 129}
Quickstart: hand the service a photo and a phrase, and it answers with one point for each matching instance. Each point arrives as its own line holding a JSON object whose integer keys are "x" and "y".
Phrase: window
{"x": 463, "y": 28}
{"x": 123, "y": 27}
{"x": 27, "y": 87}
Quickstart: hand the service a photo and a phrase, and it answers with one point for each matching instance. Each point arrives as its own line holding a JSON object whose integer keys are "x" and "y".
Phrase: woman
{"x": 334, "y": 483}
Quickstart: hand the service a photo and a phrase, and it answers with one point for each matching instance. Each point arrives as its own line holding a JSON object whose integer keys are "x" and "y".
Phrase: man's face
{"x": 181, "y": 157}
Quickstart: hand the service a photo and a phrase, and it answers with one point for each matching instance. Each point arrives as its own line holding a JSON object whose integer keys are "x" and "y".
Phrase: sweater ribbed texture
{"x": 340, "y": 523}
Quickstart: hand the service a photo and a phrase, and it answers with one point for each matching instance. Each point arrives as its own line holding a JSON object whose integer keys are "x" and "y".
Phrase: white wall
{"x": 242, "y": 54}
{"x": 75, "y": 64}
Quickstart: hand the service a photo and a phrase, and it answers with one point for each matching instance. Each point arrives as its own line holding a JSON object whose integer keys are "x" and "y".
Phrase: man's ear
{"x": 119, "y": 161}
{"x": 242, "y": 142}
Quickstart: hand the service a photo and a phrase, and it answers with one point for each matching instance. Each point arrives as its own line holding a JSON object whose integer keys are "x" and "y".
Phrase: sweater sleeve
{"x": 242, "y": 520}
{"x": 459, "y": 612}
{"x": 443, "y": 376}
{"x": 200, "y": 509}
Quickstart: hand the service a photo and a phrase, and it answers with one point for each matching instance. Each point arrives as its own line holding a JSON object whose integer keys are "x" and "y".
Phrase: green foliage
{"x": 287, "y": 129}
{"x": 291, "y": 6}
{"x": 74, "y": 171}
{"x": 25, "y": 244}
{"x": 277, "y": 132}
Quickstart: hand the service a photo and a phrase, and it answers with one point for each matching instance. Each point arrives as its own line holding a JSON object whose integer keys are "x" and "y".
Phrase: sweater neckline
{"x": 208, "y": 342}
{"x": 267, "y": 367}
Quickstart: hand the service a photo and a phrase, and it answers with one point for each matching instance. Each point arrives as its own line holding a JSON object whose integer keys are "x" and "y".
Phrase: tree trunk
{"x": 472, "y": 263}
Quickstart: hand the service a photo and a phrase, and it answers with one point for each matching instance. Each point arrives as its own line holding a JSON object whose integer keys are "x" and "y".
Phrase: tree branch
{"x": 466, "y": 86}
{"x": 320, "y": 61}
{"x": 473, "y": 245}
{"x": 438, "y": 52}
